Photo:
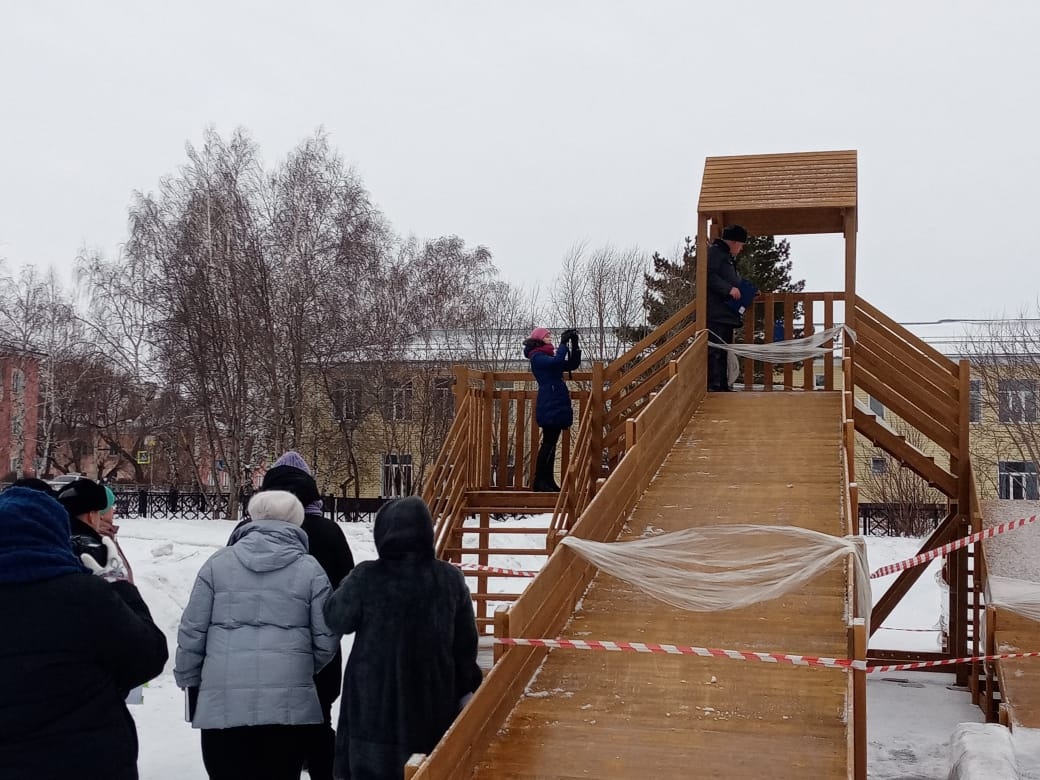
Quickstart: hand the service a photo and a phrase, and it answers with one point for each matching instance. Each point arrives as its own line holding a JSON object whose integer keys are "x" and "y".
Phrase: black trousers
{"x": 545, "y": 465}
{"x": 254, "y": 752}
{"x": 320, "y": 745}
{"x": 718, "y": 359}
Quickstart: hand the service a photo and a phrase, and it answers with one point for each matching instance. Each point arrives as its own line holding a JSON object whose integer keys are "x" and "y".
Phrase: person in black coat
{"x": 723, "y": 285}
{"x": 328, "y": 545}
{"x": 414, "y": 660}
{"x": 553, "y": 411}
{"x": 73, "y": 647}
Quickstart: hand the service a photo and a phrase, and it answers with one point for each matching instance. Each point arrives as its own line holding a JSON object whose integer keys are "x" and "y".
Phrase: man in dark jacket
{"x": 328, "y": 545}
{"x": 723, "y": 287}
{"x": 85, "y": 500}
{"x": 73, "y": 646}
{"x": 553, "y": 411}
{"x": 414, "y": 658}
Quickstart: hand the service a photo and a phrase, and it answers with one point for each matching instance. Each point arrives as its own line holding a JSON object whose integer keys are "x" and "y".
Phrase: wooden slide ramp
{"x": 761, "y": 458}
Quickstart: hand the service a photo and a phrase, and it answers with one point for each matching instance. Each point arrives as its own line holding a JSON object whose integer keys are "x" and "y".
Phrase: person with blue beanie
{"x": 77, "y": 638}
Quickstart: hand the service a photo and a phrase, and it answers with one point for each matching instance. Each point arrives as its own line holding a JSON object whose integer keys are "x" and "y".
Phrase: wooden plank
{"x": 922, "y": 465}
{"x": 883, "y": 342}
{"x": 905, "y": 335}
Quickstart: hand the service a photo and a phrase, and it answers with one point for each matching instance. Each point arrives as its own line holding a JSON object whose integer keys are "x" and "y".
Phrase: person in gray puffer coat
{"x": 414, "y": 660}
{"x": 250, "y": 642}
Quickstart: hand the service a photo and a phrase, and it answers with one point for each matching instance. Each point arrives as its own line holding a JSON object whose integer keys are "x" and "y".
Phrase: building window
{"x": 975, "y": 401}
{"x": 878, "y": 465}
{"x": 347, "y": 401}
{"x": 442, "y": 394}
{"x": 398, "y": 402}
{"x": 397, "y": 475}
{"x": 821, "y": 381}
{"x": 1017, "y": 400}
{"x": 1018, "y": 480}
{"x": 876, "y": 407}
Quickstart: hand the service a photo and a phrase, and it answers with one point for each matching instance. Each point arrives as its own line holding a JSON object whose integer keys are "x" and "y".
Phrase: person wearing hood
{"x": 553, "y": 411}
{"x": 74, "y": 645}
{"x": 252, "y": 637}
{"x": 414, "y": 660}
{"x": 329, "y": 547}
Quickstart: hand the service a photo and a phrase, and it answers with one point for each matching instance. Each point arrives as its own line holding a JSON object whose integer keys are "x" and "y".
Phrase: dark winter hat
{"x": 296, "y": 481}
{"x": 82, "y": 496}
{"x": 35, "y": 484}
{"x": 404, "y": 529}
{"x": 735, "y": 233}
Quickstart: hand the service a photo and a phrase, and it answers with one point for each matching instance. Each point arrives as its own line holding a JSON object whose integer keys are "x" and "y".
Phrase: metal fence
{"x": 195, "y": 505}
{"x": 899, "y": 519}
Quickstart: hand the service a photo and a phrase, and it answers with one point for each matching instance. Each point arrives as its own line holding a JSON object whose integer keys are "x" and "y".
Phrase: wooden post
{"x": 858, "y": 652}
{"x": 461, "y": 386}
{"x": 501, "y": 631}
{"x": 700, "y": 315}
{"x": 414, "y": 764}
{"x": 595, "y": 466}
{"x": 850, "y": 266}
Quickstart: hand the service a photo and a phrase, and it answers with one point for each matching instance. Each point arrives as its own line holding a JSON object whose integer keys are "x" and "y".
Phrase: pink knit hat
{"x": 540, "y": 333}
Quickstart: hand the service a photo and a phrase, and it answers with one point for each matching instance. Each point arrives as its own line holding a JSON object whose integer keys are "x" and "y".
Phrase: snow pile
{"x": 982, "y": 751}
{"x": 1015, "y": 554}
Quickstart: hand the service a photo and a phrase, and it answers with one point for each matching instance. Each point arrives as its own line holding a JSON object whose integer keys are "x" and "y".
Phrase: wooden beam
{"x": 948, "y": 530}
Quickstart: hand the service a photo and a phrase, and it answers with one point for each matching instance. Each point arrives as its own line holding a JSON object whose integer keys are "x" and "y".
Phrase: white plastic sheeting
{"x": 727, "y": 566}
{"x": 1019, "y": 596}
{"x": 791, "y": 350}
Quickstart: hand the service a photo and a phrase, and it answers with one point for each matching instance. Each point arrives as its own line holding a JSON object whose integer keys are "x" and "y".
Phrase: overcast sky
{"x": 530, "y": 126}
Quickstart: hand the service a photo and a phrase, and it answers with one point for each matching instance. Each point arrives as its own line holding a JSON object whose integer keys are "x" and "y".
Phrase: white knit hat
{"x": 276, "y": 505}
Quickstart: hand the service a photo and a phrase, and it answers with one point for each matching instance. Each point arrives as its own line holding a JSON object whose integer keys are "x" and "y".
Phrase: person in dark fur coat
{"x": 73, "y": 647}
{"x": 414, "y": 660}
{"x": 328, "y": 545}
{"x": 553, "y": 411}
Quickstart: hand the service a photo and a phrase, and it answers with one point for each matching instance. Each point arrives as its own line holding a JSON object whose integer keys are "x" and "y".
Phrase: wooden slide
{"x": 758, "y": 458}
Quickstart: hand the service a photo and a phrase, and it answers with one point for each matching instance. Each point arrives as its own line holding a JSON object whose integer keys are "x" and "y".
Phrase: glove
{"x": 569, "y": 335}
{"x": 114, "y": 570}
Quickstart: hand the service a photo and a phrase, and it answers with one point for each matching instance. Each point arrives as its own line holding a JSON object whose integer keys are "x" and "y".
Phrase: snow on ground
{"x": 911, "y": 716}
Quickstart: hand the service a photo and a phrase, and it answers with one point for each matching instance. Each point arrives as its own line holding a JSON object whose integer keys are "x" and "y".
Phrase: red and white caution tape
{"x": 917, "y": 560}
{"x": 746, "y": 655}
{"x": 950, "y": 662}
{"x": 705, "y": 652}
{"x": 478, "y": 568}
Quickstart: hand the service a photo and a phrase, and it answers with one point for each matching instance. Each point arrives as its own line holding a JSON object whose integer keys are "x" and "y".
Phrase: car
{"x": 59, "y": 482}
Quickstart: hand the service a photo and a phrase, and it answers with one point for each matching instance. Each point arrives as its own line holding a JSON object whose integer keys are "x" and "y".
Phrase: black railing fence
{"x": 195, "y": 505}
{"x": 900, "y": 519}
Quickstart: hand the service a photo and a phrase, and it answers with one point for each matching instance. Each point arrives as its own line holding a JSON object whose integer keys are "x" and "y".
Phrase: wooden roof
{"x": 780, "y": 194}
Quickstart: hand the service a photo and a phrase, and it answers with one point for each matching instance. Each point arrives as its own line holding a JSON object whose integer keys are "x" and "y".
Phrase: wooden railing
{"x": 453, "y": 473}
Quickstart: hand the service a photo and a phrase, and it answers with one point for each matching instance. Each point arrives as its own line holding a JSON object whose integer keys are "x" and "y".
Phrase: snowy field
{"x": 911, "y": 716}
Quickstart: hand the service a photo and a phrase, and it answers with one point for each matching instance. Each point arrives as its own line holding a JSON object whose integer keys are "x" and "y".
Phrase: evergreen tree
{"x": 764, "y": 262}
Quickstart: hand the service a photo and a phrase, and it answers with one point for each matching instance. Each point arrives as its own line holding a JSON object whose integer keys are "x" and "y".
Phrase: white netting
{"x": 792, "y": 350}
{"x": 1019, "y": 596}
{"x": 729, "y": 566}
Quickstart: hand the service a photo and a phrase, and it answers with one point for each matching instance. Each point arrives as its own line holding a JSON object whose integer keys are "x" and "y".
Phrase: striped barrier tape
{"x": 705, "y": 652}
{"x": 917, "y": 560}
{"x": 950, "y": 662}
{"x": 747, "y": 655}
{"x": 478, "y": 568}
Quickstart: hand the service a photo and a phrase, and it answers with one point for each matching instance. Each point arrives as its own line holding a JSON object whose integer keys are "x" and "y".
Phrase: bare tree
{"x": 600, "y": 292}
{"x": 1005, "y": 401}
{"x": 905, "y": 498}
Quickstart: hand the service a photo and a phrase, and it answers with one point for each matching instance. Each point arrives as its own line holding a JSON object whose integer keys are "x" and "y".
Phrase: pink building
{"x": 19, "y": 404}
